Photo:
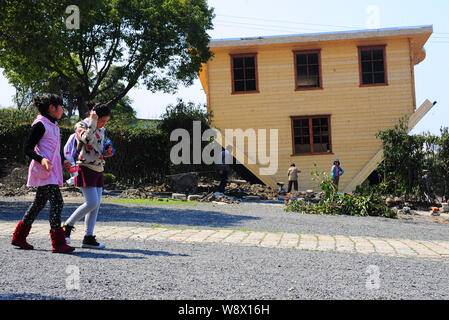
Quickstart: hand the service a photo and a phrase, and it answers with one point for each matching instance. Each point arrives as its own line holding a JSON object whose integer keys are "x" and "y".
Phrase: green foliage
{"x": 158, "y": 44}
{"x": 369, "y": 204}
{"x": 329, "y": 188}
{"x": 109, "y": 178}
{"x": 182, "y": 116}
{"x": 407, "y": 156}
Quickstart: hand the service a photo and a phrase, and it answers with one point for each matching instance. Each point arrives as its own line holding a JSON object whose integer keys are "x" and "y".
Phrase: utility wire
{"x": 303, "y": 23}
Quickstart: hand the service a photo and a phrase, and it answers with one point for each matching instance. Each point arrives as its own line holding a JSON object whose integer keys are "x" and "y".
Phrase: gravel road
{"x": 253, "y": 217}
{"x": 170, "y": 270}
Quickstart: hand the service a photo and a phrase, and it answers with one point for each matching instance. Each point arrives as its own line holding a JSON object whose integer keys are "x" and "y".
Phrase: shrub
{"x": 109, "y": 178}
{"x": 370, "y": 204}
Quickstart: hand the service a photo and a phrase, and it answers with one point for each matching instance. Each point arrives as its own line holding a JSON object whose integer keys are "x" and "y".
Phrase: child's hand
{"x": 47, "y": 164}
{"x": 93, "y": 115}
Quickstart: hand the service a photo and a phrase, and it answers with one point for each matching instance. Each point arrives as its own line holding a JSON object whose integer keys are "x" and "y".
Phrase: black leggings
{"x": 49, "y": 192}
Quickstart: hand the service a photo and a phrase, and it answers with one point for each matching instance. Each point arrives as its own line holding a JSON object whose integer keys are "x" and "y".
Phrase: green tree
{"x": 182, "y": 116}
{"x": 156, "y": 43}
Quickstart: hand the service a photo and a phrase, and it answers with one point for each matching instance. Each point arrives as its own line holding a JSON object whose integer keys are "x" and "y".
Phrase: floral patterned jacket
{"x": 91, "y": 138}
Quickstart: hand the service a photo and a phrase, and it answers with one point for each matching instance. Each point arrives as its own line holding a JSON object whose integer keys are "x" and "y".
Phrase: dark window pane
{"x": 366, "y": 55}
{"x": 301, "y": 59}
{"x": 297, "y": 131}
{"x": 315, "y": 122}
{"x": 316, "y": 139}
{"x": 302, "y": 70}
{"x": 378, "y": 54}
{"x": 238, "y": 62}
{"x": 250, "y": 73}
{"x": 367, "y": 67}
{"x": 250, "y": 85}
{"x": 297, "y": 140}
{"x": 378, "y": 66}
{"x": 238, "y": 74}
{"x": 305, "y": 132}
{"x": 324, "y": 122}
{"x": 249, "y": 62}
{"x": 367, "y": 78}
{"x": 239, "y": 86}
{"x": 325, "y": 139}
{"x": 320, "y": 147}
{"x": 313, "y": 58}
{"x": 302, "y": 148}
{"x": 303, "y": 81}
{"x": 305, "y": 123}
{"x": 379, "y": 78}
{"x": 313, "y": 70}
{"x": 296, "y": 123}
{"x": 315, "y": 81}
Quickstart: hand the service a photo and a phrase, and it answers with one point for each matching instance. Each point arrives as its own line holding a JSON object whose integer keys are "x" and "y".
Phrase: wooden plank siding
{"x": 357, "y": 113}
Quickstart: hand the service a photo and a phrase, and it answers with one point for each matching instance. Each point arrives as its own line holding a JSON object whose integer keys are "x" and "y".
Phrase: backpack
{"x": 72, "y": 148}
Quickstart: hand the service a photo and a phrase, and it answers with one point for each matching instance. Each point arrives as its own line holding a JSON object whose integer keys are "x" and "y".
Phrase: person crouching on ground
{"x": 45, "y": 173}
{"x": 90, "y": 133}
{"x": 292, "y": 175}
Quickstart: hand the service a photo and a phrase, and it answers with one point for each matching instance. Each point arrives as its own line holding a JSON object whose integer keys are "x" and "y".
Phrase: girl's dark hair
{"x": 102, "y": 110}
{"x": 43, "y": 103}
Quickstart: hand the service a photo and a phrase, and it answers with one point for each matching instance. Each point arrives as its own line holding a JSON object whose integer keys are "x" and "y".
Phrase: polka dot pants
{"x": 46, "y": 193}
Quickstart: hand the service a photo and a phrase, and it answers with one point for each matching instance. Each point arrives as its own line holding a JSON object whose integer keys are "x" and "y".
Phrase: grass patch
{"x": 147, "y": 201}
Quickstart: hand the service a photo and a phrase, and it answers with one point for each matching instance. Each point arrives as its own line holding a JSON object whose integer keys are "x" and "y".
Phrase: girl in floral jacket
{"x": 90, "y": 135}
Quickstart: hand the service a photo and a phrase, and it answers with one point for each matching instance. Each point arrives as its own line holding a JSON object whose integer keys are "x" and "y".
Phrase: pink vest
{"x": 49, "y": 143}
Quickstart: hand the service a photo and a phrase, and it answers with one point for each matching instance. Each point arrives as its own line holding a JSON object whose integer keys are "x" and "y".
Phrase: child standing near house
{"x": 90, "y": 134}
{"x": 336, "y": 171}
{"x": 45, "y": 173}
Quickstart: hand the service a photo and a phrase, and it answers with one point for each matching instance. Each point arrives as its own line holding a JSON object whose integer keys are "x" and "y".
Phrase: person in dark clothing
{"x": 223, "y": 169}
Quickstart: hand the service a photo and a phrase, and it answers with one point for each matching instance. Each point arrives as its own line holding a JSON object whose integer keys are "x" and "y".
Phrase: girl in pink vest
{"x": 45, "y": 173}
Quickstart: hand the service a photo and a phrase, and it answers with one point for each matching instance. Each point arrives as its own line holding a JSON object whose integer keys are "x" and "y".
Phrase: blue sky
{"x": 244, "y": 18}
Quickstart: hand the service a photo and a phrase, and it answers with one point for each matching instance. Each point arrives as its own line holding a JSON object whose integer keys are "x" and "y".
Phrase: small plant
{"x": 109, "y": 178}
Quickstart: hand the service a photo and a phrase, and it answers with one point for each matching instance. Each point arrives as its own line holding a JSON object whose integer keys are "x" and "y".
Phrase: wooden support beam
{"x": 372, "y": 164}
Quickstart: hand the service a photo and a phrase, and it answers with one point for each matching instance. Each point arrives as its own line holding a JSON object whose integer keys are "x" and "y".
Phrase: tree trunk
{"x": 83, "y": 109}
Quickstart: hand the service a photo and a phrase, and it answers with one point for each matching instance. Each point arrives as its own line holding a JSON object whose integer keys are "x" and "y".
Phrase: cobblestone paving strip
{"x": 271, "y": 240}
{"x": 254, "y": 238}
{"x": 219, "y": 236}
{"x": 200, "y": 236}
{"x": 363, "y": 246}
{"x": 401, "y": 248}
{"x": 318, "y": 242}
{"x": 344, "y": 244}
{"x": 326, "y": 243}
{"x": 308, "y": 242}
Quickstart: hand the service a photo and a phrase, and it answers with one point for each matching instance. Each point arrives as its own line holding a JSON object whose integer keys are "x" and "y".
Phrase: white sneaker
{"x": 218, "y": 194}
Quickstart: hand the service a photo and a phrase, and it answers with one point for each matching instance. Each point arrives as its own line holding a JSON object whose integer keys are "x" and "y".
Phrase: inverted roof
{"x": 322, "y": 36}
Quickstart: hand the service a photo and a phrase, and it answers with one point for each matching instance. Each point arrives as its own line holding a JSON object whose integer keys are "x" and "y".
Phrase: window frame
{"x": 310, "y": 118}
{"x": 295, "y": 66}
{"x": 241, "y": 55}
{"x": 384, "y": 52}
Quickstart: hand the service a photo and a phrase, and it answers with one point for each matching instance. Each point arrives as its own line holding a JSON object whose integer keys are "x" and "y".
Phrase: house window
{"x": 307, "y": 69}
{"x": 311, "y": 135}
{"x": 373, "y": 70}
{"x": 244, "y": 73}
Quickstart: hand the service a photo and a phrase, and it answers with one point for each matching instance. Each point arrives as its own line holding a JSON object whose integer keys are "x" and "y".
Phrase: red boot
{"x": 58, "y": 241}
{"x": 19, "y": 236}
